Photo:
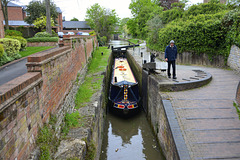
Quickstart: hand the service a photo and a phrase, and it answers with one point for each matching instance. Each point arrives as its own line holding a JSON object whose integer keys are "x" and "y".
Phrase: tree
{"x": 74, "y": 19}
{"x": 5, "y": 11}
{"x": 41, "y": 23}
{"x": 166, "y": 4}
{"x": 102, "y": 20}
{"x": 123, "y": 26}
{"x": 36, "y": 9}
{"x": 142, "y": 10}
{"x": 48, "y": 18}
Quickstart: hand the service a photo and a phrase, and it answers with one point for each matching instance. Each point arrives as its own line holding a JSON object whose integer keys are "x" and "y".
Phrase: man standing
{"x": 170, "y": 57}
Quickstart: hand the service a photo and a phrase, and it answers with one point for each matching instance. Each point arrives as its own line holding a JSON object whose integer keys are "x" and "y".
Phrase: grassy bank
{"x": 32, "y": 50}
{"x": 93, "y": 80}
{"x": 47, "y": 141}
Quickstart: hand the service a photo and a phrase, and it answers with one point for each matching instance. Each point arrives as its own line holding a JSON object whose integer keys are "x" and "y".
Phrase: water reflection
{"x": 129, "y": 139}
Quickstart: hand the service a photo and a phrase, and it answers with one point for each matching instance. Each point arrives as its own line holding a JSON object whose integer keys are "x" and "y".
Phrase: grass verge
{"x": 93, "y": 80}
{"x": 32, "y": 50}
{"x": 135, "y": 41}
{"x": 237, "y": 108}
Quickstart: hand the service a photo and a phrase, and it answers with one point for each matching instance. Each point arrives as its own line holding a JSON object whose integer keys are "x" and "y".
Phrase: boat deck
{"x": 122, "y": 71}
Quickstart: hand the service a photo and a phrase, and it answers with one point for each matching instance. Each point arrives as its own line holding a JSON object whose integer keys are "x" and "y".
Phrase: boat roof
{"x": 122, "y": 72}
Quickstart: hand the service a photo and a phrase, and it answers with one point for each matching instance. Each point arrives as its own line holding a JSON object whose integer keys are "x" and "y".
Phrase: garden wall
{"x": 40, "y": 44}
{"x": 27, "y": 101}
{"x": 234, "y": 58}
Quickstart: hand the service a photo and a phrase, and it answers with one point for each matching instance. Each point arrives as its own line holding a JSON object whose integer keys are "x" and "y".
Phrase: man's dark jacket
{"x": 171, "y": 53}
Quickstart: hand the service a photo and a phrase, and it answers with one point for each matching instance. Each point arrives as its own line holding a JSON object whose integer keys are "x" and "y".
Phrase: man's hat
{"x": 172, "y": 41}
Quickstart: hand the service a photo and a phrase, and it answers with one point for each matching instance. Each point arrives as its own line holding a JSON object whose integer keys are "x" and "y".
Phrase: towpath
{"x": 207, "y": 118}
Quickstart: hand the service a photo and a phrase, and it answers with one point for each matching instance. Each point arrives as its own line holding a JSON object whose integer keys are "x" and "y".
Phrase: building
{"x": 75, "y": 25}
{"x": 17, "y": 14}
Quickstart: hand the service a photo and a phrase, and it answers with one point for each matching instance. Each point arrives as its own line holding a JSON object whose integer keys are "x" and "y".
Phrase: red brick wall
{"x": 15, "y": 13}
{"x": 27, "y": 101}
{"x": 238, "y": 94}
{"x": 19, "y": 116}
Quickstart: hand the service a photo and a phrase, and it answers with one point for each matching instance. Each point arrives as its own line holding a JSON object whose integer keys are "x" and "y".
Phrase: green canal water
{"x": 129, "y": 138}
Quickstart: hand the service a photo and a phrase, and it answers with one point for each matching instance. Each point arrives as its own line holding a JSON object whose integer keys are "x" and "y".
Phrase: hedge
{"x": 1, "y": 50}
{"x": 43, "y": 39}
{"x": 11, "y": 46}
{"x": 205, "y": 28}
{"x": 22, "y": 40}
{"x": 12, "y": 33}
{"x": 42, "y": 34}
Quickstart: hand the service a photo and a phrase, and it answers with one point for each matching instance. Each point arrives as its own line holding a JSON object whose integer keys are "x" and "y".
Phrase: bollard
{"x": 141, "y": 54}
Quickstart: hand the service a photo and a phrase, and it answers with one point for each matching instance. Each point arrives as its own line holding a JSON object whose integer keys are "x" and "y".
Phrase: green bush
{"x": 42, "y": 34}
{"x": 43, "y": 39}
{"x": 11, "y": 46}
{"x": 5, "y": 59}
{"x": 12, "y": 33}
{"x": 54, "y": 34}
{"x": 1, "y": 50}
{"x": 22, "y": 40}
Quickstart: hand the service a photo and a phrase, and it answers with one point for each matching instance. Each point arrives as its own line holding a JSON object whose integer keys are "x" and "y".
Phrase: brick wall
{"x": 38, "y": 44}
{"x": 234, "y": 58}
{"x": 15, "y": 14}
{"x": 27, "y": 101}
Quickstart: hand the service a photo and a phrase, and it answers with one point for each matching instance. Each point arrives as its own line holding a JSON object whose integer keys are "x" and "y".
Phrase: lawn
{"x": 135, "y": 41}
{"x": 32, "y": 50}
{"x": 93, "y": 81}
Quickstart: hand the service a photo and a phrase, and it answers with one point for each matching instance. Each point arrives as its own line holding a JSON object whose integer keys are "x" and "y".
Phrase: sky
{"x": 78, "y": 8}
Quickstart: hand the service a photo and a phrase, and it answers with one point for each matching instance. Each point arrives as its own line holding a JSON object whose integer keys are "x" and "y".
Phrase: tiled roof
{"x": 17, "y": 23}
{"x": 75, "y": 24}
{"x": 59, "y": 10}
{"x": 11, "y": 4}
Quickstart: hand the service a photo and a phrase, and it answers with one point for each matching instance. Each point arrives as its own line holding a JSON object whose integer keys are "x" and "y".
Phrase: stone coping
{"x": 176, "y": 131}
{"x": 181, "y": 86}
{"x": 41, "y": 56}
{"x": 14, "y": 86}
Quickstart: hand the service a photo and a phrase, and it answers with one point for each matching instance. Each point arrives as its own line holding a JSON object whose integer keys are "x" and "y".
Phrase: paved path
{"x": 13, "y": 71}
{"x": 207, "y": 117}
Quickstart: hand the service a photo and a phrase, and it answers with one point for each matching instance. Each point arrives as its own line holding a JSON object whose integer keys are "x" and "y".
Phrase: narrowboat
{"x": 124, "y": 93}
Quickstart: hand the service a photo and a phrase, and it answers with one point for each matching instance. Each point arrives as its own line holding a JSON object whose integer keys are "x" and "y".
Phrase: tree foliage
{"x": 142, "y": 11}
{"x": 102, "y": 20}
{"x": 41, "y": 23}
{"x": 37, "y": 9}
{"x": 204, "y": 28}
{"x": 74, "y": 19}
{"x": 123, "y": 26}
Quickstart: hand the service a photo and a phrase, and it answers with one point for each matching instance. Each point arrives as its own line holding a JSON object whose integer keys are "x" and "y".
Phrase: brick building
{"x": 17, "y": 14}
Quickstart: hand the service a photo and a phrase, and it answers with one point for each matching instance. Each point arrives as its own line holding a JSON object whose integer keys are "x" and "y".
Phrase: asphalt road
{"x": 13, "y": 71}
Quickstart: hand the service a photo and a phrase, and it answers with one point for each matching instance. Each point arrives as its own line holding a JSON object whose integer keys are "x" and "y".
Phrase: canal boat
{"x": 124, "y": 93}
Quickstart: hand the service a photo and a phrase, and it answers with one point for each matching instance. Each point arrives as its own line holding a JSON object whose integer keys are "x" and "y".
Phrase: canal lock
{"x": 128, "y": 137}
